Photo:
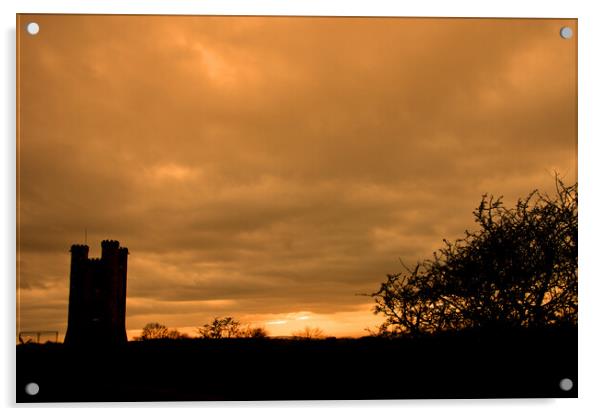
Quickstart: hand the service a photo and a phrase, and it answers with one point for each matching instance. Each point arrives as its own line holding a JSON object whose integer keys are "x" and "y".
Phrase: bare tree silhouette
{"x": 226, "y": 327}
{"x": 309, "y": 333}
{"x": 518, "y": 270}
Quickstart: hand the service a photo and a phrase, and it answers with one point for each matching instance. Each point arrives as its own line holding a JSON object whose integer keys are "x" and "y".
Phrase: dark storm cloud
{"x": 275, "y": 165}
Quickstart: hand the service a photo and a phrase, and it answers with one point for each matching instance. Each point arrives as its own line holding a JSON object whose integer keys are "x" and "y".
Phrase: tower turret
{"x": 77, "y": 285}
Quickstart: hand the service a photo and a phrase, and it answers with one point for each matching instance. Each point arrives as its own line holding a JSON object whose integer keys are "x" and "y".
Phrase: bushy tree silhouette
{"x": 518, "y": 270}
{"x": 155, "y": 330}
{"x": 252, "y": 332}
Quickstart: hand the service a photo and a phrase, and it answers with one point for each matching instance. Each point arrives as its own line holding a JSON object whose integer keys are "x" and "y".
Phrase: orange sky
{"x": 271, "y": 168}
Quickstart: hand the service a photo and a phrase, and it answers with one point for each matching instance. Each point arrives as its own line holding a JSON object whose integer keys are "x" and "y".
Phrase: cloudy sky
{"x": 272, "y": 169}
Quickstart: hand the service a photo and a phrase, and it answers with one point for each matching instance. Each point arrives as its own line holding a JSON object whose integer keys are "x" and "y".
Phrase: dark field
{"x": 501, "y": 364}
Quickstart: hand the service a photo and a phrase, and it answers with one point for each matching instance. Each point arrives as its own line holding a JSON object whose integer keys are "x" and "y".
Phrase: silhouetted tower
{"x": 97, "y": 295}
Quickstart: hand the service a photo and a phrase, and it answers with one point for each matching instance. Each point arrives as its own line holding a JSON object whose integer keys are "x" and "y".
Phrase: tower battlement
{"x": 80, "y": 248}
{"x": 97, "y": 295}
{"x": 109, "y": 244}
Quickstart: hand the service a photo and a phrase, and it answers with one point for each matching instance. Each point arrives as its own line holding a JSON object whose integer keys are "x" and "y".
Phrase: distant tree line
{"x": 221, "y": 328}
{"x": 228, "y": 327}
{"x": 155, "y": 330}
{"x": 519, "y": 269}
{"x": 309, "y": 333}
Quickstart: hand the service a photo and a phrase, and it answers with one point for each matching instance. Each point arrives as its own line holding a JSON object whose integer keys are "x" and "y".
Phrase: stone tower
{"x": 97, "y": 294}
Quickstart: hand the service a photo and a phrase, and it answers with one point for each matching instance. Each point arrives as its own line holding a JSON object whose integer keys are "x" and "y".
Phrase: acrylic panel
{"x": 290, "y": 208}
